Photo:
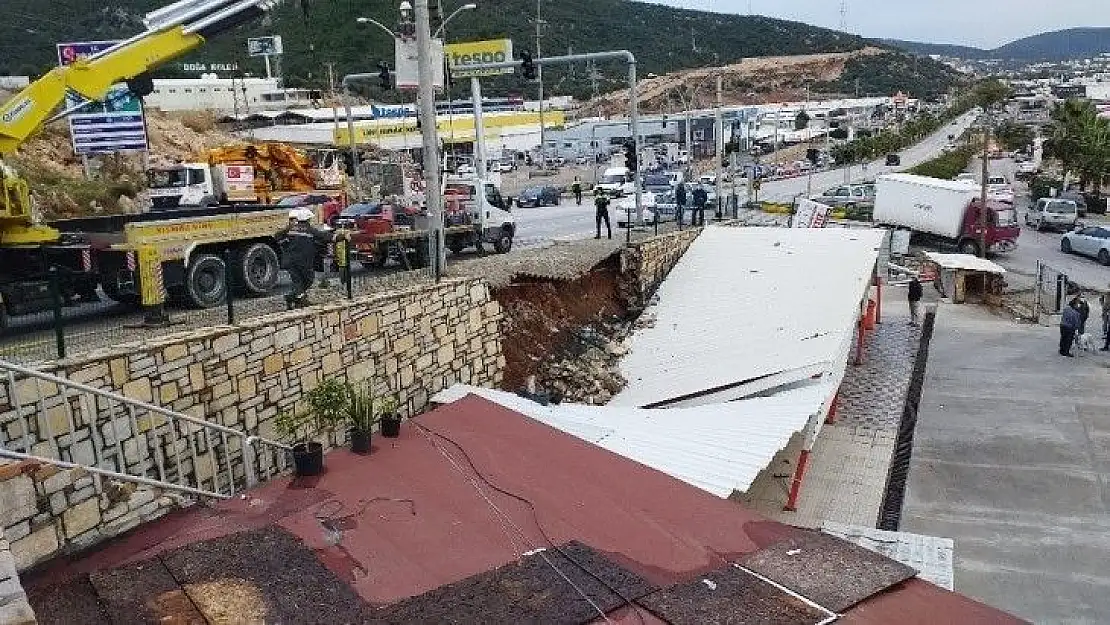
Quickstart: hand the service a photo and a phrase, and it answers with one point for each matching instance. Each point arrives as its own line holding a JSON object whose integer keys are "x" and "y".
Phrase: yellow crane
{"x": 172, "y": 31}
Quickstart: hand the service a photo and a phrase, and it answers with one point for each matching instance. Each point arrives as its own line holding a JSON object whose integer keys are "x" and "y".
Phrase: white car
{"x": 1052, "y": 213}
{"x": 1026, "y": 168}
{"x": 581, "y": 160}
{"x": 1093, "y": 241}
{"x": 504, "y": 167}
{"x": 626, "y": 208}
{"x": 1001, "y": 193}
{"x": 966, "y": 177}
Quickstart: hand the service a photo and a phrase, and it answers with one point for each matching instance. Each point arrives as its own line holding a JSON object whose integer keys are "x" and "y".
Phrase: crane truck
{"x": 127, "y": 253}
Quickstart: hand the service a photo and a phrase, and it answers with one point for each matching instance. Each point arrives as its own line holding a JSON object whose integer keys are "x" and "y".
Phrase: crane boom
{"x": 171, "y": 32}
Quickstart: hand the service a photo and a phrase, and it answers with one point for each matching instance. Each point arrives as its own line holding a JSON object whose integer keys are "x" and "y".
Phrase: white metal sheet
{"x": 744, "y": 303}
{"x": 964, "y": 261}
{"x": 930, "y": 555}
{"x": 720, "y": 448}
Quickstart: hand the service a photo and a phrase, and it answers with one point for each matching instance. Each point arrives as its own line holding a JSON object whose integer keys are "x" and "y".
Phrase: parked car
{"x": 504, "y": 167}
{"x": 1080, "y": 201}
{"x": 331, "y": 205}
{"x": 893, "y": 160}
{"x": 658, "y": 183}
{"x": 966, "y": 177}
{"x": 1052, "y": 214}
{"x": 582, "y": 160}
{"x": 1026, "y": 169}
{"x": 1093, "y": 241}
{"x": 848, "y": 196}
{"x": 539, "y": 196}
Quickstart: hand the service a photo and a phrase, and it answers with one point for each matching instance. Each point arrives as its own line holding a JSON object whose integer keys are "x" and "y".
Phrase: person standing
{"x": 1069, "y": 324}
{"x": 914, "y": 296}
{"x": 300, "y": 242}
{"x": 601, "y": 203}
{"x": 1084, "y": 313}
{"x": 701, "y": 198}
{"x": 1104, "y": 302}
{"x": 680, "y": 203}
{"x": 576, "y": 188}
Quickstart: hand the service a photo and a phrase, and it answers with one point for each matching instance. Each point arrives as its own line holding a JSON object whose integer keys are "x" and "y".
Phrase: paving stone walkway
{"x": 848, "y": 468}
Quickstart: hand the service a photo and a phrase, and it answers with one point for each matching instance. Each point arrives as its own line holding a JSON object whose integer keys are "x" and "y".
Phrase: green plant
{"x": 387, "y": 407}
{"x": 360, "y": 406}
{"x": 329, "y": 402}
{"x": 296, "y": 427}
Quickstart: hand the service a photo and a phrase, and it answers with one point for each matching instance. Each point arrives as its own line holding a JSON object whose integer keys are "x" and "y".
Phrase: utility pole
{"x": 427, "y": 111}
{"x": 719, "y": 131}
{"x": 983, "y": 187}
{"x": 539, "y": 77}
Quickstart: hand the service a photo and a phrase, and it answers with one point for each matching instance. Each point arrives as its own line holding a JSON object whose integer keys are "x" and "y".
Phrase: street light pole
{"x": 539, "y": 77}
{"x": 427, "y": 98}
{"x": 983, "y": 188}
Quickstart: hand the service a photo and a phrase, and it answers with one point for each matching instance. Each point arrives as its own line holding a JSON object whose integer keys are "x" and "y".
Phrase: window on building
{"x": 699, "y": 135}
{"x": 188, "y": 91}
{"x": 173, "y": 90}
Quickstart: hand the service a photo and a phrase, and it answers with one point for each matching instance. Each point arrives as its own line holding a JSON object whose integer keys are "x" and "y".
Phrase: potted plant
{"x": 327, "y": 407}
{"x": 360, "y": 413}
{"x": 390, "y": 418}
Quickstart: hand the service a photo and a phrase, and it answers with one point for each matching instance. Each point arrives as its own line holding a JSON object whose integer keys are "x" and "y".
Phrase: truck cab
{"x": 187, "y": 184}
{"x": 1002, "y": 228}
{"x": 489, "y": 213}
{"x": 615, "y": 182}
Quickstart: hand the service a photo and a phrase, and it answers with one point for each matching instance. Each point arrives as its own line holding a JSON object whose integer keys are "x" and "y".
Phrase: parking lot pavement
{"x": 1011, "y": 458}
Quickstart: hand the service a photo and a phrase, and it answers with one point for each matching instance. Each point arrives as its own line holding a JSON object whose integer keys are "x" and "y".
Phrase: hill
{"x": 1059, "y": 45}
{"x": 663, "y": 38}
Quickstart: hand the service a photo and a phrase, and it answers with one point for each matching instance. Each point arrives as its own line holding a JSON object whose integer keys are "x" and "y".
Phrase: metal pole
{"x": 983, "y": 188}
{"x": 539, "y": 77}
{"x": 353, "y": 144}
{"x": 56, "y": 305}
{"x": 479, "y": 152}
{"x": 230, "y": 301}
{"x": 634, "y": 115}
{"x": 269, "y": 73}
{"x": 719, "y": 131}
{"x": 428, "y": 131}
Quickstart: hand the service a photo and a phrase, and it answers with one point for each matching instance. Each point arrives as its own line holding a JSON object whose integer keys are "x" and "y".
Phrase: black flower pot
{"x": 391, "y": 426}
{"x": 308, "y": 459}
{"x": 360, "y": 441}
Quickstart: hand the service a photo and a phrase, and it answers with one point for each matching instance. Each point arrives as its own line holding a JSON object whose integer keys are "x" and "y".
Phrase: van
{"x": 1052, "y": 214}
{"x": 615, "y": 182}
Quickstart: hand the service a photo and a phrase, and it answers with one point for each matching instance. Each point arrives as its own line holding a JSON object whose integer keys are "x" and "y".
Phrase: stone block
{"x": 139, "y": 389}
{"x": 30, "y": 390}
{"x": 273, "y": 364}
{"x": 174, "y": 352}
{"x": 143, "y": 496}
{"x": 82, "y": 453}
{"x": 168, "y": 393}
{"x": 445, "y": 354}
{"x": 57, "y": 482}
{"x": 404, "y": 343}
{"x": 86, "y": 540}
{"x": 196, "y": 377}
{"x": 149, "y": 421}
{"x": 225, "y": 343}
{"x": 113, "y": 513}
{"x": 248, "y": 387}
{"x": 116, "y": 429}
{"x": 17, "y": 500}
{"x": 287, "y": 337}
{"x": 236, "y": 365}
{"x": 331, "y": 363}
{"x": 120, "y": 525}
{"x": 81, "y": 518}
{"x": 35, "y": 547}
{"x": 17, "y": 531}
{"x": 300, "y": 356}
{"x": 58, "y": 503}
{"x": 90, "y": 373}
{"x": 17, "y": 612}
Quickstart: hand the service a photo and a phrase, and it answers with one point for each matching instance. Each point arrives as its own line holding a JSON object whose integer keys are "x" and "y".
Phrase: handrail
{"x": 128, "y": 439}
{"x": 138, "y": 403}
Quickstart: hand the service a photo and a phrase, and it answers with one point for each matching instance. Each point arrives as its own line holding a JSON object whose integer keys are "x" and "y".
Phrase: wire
{"x": 539, "y": 525}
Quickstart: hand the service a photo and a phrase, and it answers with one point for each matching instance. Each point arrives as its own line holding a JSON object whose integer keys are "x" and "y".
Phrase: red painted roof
{"x": 650, "y": 523}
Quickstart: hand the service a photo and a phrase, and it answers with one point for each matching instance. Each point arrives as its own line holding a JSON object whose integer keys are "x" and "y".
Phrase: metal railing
{"x": 52, "y": 420}
{"x": 1051, "y": 291}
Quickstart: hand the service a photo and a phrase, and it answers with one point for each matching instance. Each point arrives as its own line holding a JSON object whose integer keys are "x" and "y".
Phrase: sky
{"x": 980, "y": 23}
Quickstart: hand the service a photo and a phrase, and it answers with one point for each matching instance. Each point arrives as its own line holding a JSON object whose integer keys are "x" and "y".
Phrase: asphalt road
{"x": 1036, "y": 246}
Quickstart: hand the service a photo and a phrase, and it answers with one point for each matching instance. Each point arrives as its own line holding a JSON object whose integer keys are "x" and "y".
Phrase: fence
{"x": 1051, "y": 290}
{"x": 42, "y": 320}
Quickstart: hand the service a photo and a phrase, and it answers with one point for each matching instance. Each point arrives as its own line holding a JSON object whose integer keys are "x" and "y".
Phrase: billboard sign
{"x": 114, "y": 125}
{"x": 459, "y": 55}
{"x": 264, "y": 46}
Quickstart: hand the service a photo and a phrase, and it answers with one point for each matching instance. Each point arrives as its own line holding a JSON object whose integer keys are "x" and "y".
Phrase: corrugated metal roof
{"x": 930, "y": 555}
{"x": 964, "y": 261}
{"x": 744, "y": 303}
{"x": 719, "y": 448}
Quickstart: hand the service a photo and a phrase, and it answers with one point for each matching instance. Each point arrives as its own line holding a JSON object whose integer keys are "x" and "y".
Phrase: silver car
{"x": 1052, "y": 214}
{"x": 1093, "y": 241}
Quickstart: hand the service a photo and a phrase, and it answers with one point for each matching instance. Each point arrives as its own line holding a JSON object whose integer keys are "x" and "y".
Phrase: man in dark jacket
{"x": 915, "y": 293}
{"x": 701, "y": 198}
{"x": 1069, "y": 325}
{"x": 300, "y": 245}
{"x": 576, "y": 188}
{"x": 680, "y": 203}
{"x": 601, "y": 202}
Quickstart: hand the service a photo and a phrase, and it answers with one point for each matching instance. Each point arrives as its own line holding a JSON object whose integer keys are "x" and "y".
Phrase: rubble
{"x": 586, "y": 370}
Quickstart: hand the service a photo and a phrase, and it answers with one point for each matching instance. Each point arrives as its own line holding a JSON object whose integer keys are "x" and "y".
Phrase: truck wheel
{"x": 504, "y": 242}
{"x": 257, "y": 269}
{"x": 1065, "y": 247}
{"x": 1104, "y": 257}
{"x": 381, "y": 256}
{"x": 111, "y": 289}
{"x": 205, "y": 283}
{"x": 455, "y": 245}
{"x": 969, "y": 246}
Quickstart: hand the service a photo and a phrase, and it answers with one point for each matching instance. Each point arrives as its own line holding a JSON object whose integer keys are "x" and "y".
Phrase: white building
{"x": 225, "y": 95}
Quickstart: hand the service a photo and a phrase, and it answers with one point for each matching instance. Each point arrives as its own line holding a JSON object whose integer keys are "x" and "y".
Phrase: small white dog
{"x": 1084, "y": 342}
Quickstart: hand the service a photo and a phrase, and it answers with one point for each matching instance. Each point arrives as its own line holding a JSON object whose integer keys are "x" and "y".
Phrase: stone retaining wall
{"x": 410, "y": 343}
{"x": 14, "y": 608}
{"x": 645, "y": 264}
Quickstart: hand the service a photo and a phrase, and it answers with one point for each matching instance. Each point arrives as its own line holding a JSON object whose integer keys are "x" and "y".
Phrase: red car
{"x": 332, "y": 204}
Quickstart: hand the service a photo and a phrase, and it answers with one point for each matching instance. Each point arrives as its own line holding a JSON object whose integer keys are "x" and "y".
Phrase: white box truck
{"x": 945, "y": 211}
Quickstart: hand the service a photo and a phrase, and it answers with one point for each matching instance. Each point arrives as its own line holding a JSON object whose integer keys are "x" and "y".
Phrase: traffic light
{"x": 383, "y": 76}
{"x": 527, "y": 66}
{"x": 630, "y": 160}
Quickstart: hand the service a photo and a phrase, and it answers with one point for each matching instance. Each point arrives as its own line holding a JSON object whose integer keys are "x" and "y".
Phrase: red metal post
{"x": 796, "y": 485}
{"x": 878, "y": 298}
{"x": 861, "y": 329}
{"x": 831, "y": 418}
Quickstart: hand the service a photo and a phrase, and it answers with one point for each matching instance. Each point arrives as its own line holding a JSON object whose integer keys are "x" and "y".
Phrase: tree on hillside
{"x": 801, "y": 120}
{"x": 990, "y": 93}
{"x": 1080, "y": 139}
